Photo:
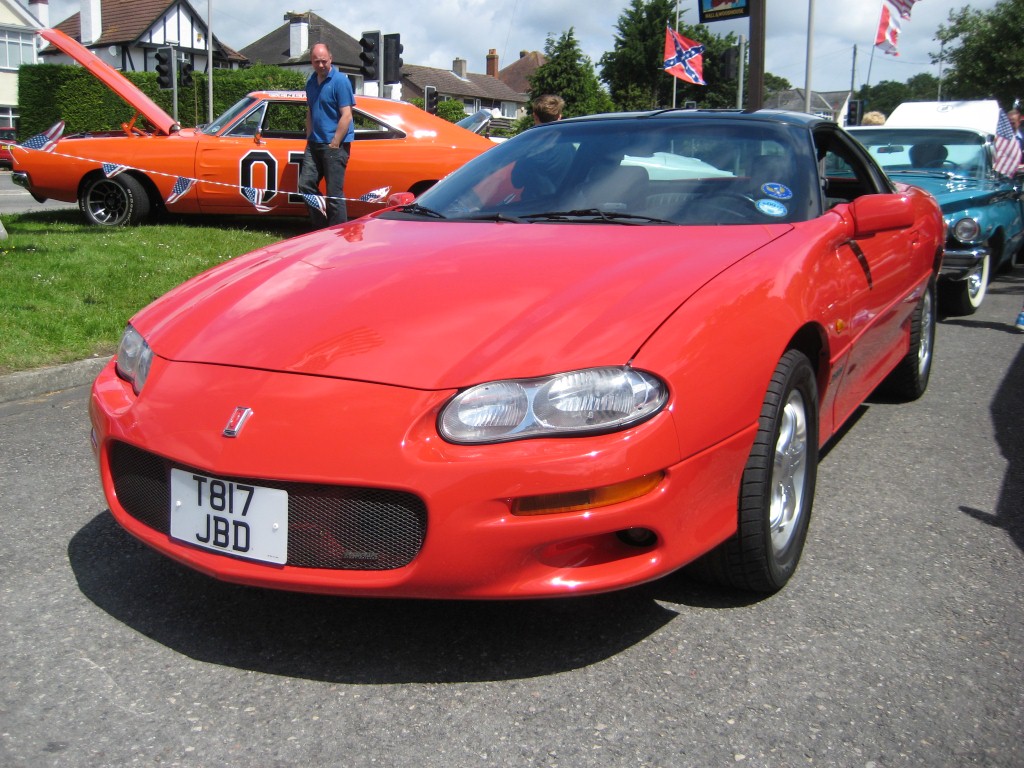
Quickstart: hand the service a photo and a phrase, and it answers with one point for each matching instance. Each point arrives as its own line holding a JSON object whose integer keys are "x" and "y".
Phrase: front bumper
{"x": 957, "y": 263}
{"x": 319, "y": 432}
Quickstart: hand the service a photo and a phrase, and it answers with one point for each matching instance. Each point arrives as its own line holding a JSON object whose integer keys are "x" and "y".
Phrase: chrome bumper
{"x": 957, "y": 264}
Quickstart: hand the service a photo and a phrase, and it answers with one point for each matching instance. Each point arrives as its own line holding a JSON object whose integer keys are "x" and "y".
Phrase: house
{"x": 475, "y": 91}
{"x": 126, "y": 34}
{"x": 288, "y": 46}
{"x": 517, "y": 74}
{"x": 18, "y": 29}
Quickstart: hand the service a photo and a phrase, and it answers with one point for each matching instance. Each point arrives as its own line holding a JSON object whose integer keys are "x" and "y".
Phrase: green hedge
{"x": 51, "y": 92}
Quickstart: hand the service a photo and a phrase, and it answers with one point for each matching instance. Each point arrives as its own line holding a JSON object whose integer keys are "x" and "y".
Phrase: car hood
{"x": 955, "y": 192}
{"x": 113, "y": 79}
{"x": 437, "y": 305}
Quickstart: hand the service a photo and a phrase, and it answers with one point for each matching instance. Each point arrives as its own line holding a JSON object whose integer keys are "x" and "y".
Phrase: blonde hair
{"x": 873, "y": 118}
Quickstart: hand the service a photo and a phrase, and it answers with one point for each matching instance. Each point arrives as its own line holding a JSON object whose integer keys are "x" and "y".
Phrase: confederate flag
{"x": 684, "y": 58}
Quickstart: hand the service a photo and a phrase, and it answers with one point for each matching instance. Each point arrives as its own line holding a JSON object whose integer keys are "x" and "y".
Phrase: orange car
{"x": 244, "y": 162}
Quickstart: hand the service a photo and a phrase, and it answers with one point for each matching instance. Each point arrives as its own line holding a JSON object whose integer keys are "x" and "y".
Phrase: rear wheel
{"x": 777, "y": 489}
{"x": 963, "y": 297}
{"x": 114, "y": 202}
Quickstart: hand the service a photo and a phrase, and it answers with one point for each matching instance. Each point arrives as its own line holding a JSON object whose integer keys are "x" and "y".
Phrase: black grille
{"x": 337, "y": 527}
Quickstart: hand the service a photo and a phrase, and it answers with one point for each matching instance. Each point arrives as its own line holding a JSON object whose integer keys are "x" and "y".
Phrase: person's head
{"x": 873, "y": 118}
{"x": 320, "y": 59}
{"x": 928, "y": 154}
{"x": 547, "y": 108}
{"x": 1014, "y": 116}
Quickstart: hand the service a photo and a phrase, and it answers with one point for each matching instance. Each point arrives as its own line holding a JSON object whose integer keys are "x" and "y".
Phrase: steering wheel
{"x": 734, "y": 205}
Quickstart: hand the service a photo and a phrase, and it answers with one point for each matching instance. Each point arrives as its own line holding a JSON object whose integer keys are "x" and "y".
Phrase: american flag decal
{"x": 255, "y": 196}
{"x": 181, "y": 187}
{"x": 112, "y": 169}
{"x": 316, "y": 201}
{"x": 374, "y": 195}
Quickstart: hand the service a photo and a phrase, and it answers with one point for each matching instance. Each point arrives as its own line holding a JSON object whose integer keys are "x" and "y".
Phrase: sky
{"x": 437, "y": 32}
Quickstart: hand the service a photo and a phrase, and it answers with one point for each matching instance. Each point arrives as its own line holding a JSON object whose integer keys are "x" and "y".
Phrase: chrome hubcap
{"x": 789, "y": 473}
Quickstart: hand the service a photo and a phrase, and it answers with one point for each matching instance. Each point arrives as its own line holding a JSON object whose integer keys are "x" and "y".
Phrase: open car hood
{"x": 113, "y": 79}
{"x": 438, "y": 306}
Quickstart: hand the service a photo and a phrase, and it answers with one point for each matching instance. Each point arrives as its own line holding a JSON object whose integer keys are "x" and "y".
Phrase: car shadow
{"x": 1007, "y": 409}
{"x": 363, "y": 640}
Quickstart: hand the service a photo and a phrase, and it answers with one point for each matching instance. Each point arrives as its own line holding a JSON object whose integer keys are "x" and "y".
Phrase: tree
{"x": 634, "y": 68}
{"x": 980, "y": 54}
{"x": 570, "y": 74}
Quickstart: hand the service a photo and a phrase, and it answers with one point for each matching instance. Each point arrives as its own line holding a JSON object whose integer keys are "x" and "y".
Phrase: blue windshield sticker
{"x": 771, "y": 208}
{"x": 776, "y": 190}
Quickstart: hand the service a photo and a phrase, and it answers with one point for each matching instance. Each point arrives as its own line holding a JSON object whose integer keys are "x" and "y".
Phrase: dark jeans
{"x": 322, "y": 162}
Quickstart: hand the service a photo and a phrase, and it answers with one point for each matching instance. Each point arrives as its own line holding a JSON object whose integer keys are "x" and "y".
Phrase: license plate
{"x": 226, "y": 516}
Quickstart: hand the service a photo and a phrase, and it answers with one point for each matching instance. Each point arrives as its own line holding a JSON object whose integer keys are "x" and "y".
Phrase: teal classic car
{"x": 963, "y": 168}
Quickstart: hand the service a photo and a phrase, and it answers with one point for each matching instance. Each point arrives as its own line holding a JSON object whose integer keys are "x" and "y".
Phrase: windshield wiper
{"x": 421, "y": 210}
{"x": 613, "y": 217}
{"x": 494, "y": 216}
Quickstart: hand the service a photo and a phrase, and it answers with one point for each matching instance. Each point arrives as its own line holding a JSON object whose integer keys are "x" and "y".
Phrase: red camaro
{"x": 598, "y": 352}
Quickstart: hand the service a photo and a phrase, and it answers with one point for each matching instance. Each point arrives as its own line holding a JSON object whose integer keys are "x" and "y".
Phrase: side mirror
{"x": 401, "y": 198}
{"x": 880, "y": 213}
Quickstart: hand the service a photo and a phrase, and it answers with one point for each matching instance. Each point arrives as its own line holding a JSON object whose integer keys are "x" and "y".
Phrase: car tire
{"x": 963, "y": 297}
{"x": 777, "y": 488}
{"x": 113, "y": 202}
{"x": 909, "y": 379}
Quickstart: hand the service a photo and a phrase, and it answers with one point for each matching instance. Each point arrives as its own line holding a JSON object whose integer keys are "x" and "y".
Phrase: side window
{"x": 845, "y": 175}
{"x": 285, "y": 120}
{"x": 248, "y": 125}
{"x": 369, "y": 128}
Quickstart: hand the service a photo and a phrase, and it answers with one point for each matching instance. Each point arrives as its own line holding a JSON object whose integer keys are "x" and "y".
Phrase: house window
{"x": 8, "y": 117}
{"x": 16, "y": 48}
{"x": 509, "y": 109}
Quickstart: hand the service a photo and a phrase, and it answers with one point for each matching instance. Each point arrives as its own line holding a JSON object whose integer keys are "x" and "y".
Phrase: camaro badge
{"x": 237, "y": 421}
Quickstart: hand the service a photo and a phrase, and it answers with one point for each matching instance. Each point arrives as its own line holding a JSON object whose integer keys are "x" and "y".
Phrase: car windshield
{"x": 635, "y": 171}
{"x": 926, "y": 150}
{"x": 241, "y": 106}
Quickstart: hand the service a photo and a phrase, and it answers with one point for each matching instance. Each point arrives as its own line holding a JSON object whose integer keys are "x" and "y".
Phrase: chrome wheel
{"x": 789, "y": 474}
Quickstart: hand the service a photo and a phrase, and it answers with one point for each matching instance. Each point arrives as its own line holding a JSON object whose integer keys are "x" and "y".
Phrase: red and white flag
{"x": 887, "y": 37}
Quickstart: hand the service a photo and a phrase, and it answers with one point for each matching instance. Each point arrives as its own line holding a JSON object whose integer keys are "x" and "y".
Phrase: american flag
{"x": 316, "y": 201}
{"x": 112, "y": 169}
{"x": 1007, "y": 148}
{"x": 903, "y": 7}
{"x": 684, "y": 58}
{"x": 255, "y": 196}
{"x": 374, "y": 195}
{"x": 181, "y": 188}
{"x": 45, "y": 142}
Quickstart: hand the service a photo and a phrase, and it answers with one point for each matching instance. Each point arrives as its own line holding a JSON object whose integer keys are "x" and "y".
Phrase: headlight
{"x": 574, "y": 403}
{"x": 134, "y": 358}
{"x": 966, "y": 230}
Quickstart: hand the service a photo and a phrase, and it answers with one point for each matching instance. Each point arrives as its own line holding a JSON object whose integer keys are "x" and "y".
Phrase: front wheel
{"x": 909, "y": 379}
{"x": 777, "y": 489}
{"x": 963, "y": 297}
{"x": 113, "y": 202}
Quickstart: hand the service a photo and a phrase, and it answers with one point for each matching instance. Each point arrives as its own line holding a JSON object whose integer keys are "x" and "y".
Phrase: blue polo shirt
{"x": 325, "y": 101}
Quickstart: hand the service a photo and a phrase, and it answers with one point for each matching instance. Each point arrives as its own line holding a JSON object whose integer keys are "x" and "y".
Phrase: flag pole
{"x": 810, "y": 48}
{"x": 675, "y": 80}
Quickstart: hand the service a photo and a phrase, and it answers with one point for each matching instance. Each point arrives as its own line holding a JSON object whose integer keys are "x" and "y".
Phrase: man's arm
{"x": 344, "y": 121}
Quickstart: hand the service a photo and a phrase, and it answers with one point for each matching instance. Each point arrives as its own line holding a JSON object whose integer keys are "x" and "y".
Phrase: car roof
{"x": 796, "y": 119}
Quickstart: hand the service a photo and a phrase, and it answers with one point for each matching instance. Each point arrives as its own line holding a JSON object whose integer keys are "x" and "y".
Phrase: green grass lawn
{"x": 67, "y": 289}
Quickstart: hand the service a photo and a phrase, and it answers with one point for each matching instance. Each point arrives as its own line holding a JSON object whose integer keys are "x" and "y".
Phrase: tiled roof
{"x": 517, "y": 74}
{"x": 474, "y": 86}
{"x": 275, "y": 48}
{"x": 125, "y": 21}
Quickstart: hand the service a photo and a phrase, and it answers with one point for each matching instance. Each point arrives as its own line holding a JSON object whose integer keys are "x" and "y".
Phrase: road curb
{"x": 25, "y": 384}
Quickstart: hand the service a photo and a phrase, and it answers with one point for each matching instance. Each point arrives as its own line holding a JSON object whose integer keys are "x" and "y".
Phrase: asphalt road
{"x": 898, "y": 642}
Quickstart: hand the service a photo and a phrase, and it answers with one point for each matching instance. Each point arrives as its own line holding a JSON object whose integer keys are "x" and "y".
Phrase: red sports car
{"x": 603, "y": 350}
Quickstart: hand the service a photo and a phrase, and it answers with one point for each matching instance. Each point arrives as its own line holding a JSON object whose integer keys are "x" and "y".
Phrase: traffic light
{"x": 430, "y": 99}
{"x": 370, "y": 55}
{"x": 393, "y": 59}
{"x": 185, "y": 74}
{"x": 165, "y": 68}
{"x": 855, "y": 112}
{"x": 731, "y": 63}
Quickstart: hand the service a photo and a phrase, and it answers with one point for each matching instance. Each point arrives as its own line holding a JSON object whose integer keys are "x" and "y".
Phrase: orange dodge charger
{"x": 244, "y": 162}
